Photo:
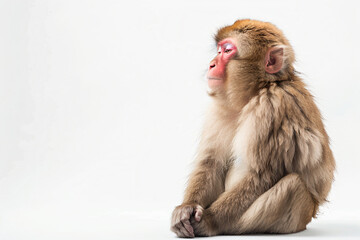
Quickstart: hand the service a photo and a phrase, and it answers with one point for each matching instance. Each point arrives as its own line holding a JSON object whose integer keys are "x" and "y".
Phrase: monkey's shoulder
{"x": 286, "y": 110}
{"x": 277, "y": 124}
{"x": 289, "y": 100}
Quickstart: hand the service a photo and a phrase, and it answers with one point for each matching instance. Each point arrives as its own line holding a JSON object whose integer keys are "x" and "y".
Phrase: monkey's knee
{"x": 298, "y": 204}
{"x": 285, "y": 208}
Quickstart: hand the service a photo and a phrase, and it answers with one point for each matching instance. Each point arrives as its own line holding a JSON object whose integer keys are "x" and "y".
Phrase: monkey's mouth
{"x": 214, "y": 82}
{"x": 213, "y": 78}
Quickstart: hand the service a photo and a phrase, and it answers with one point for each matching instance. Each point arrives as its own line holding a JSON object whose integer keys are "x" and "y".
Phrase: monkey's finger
{"x": 177, "y": 231}
{"x": 187, "y": 225}
{"x": 198, "y": 214}
{"x": 181, "y": 229}
{"x": 184, "y": 232}
{"x": 180, "y": 234}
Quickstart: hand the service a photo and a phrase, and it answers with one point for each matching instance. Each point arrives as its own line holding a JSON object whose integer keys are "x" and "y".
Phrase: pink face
{"x": 216, "y": 73}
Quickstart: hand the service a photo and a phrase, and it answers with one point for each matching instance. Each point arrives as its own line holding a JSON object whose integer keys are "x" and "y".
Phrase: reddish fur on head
{"x": 261, "y": 54}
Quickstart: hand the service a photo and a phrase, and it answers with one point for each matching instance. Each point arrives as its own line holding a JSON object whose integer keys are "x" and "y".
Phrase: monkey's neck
{"x": 232, "y": 102}
{"x": 224, "y": 109}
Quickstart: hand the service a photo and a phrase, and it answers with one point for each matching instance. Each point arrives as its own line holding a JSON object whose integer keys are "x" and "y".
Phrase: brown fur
{"x": 264, "y": 163}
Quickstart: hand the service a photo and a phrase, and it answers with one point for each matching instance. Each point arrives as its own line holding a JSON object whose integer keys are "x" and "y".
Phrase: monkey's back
{"x": 312, "y": 159}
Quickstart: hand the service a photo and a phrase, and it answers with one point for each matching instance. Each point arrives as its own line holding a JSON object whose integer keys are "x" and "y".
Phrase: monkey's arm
{"x": 231, "y": 205}
{"x": 206, "y": 183}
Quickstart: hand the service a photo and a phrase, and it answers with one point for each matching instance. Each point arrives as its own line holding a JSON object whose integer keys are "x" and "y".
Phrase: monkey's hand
{"x": 180, "y": 221}
{"x": 206, "y": 226}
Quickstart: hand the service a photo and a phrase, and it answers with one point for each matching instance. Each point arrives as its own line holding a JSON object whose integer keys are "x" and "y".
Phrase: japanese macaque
{"x": 263, "y": 164}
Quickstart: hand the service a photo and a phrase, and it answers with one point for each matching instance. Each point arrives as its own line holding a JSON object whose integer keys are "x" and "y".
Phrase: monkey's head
{"x": 250, "y": 55}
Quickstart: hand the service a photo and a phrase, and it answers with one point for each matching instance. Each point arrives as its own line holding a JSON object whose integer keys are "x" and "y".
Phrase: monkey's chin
{"x": 214, "y": 90}
{"x": 210, "y": 92}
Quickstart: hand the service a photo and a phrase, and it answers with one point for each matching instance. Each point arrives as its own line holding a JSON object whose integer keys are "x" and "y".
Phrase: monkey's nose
{"x": 212, "y": 65}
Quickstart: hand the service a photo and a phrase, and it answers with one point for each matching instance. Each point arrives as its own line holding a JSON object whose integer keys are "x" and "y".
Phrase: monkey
{"x": 263, "y": 163}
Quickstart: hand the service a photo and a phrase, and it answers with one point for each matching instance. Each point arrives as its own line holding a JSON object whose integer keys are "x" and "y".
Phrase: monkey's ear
{"x": 274, "y": 59}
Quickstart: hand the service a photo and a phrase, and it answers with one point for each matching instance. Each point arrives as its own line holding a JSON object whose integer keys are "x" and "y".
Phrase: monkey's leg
{"x": 287, "y": 207}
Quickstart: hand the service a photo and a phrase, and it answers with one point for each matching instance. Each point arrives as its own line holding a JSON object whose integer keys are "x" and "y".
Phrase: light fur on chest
{"x": 239, "y": 166}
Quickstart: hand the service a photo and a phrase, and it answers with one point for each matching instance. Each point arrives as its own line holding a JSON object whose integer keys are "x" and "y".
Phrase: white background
{"x": 101, "y": 104}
